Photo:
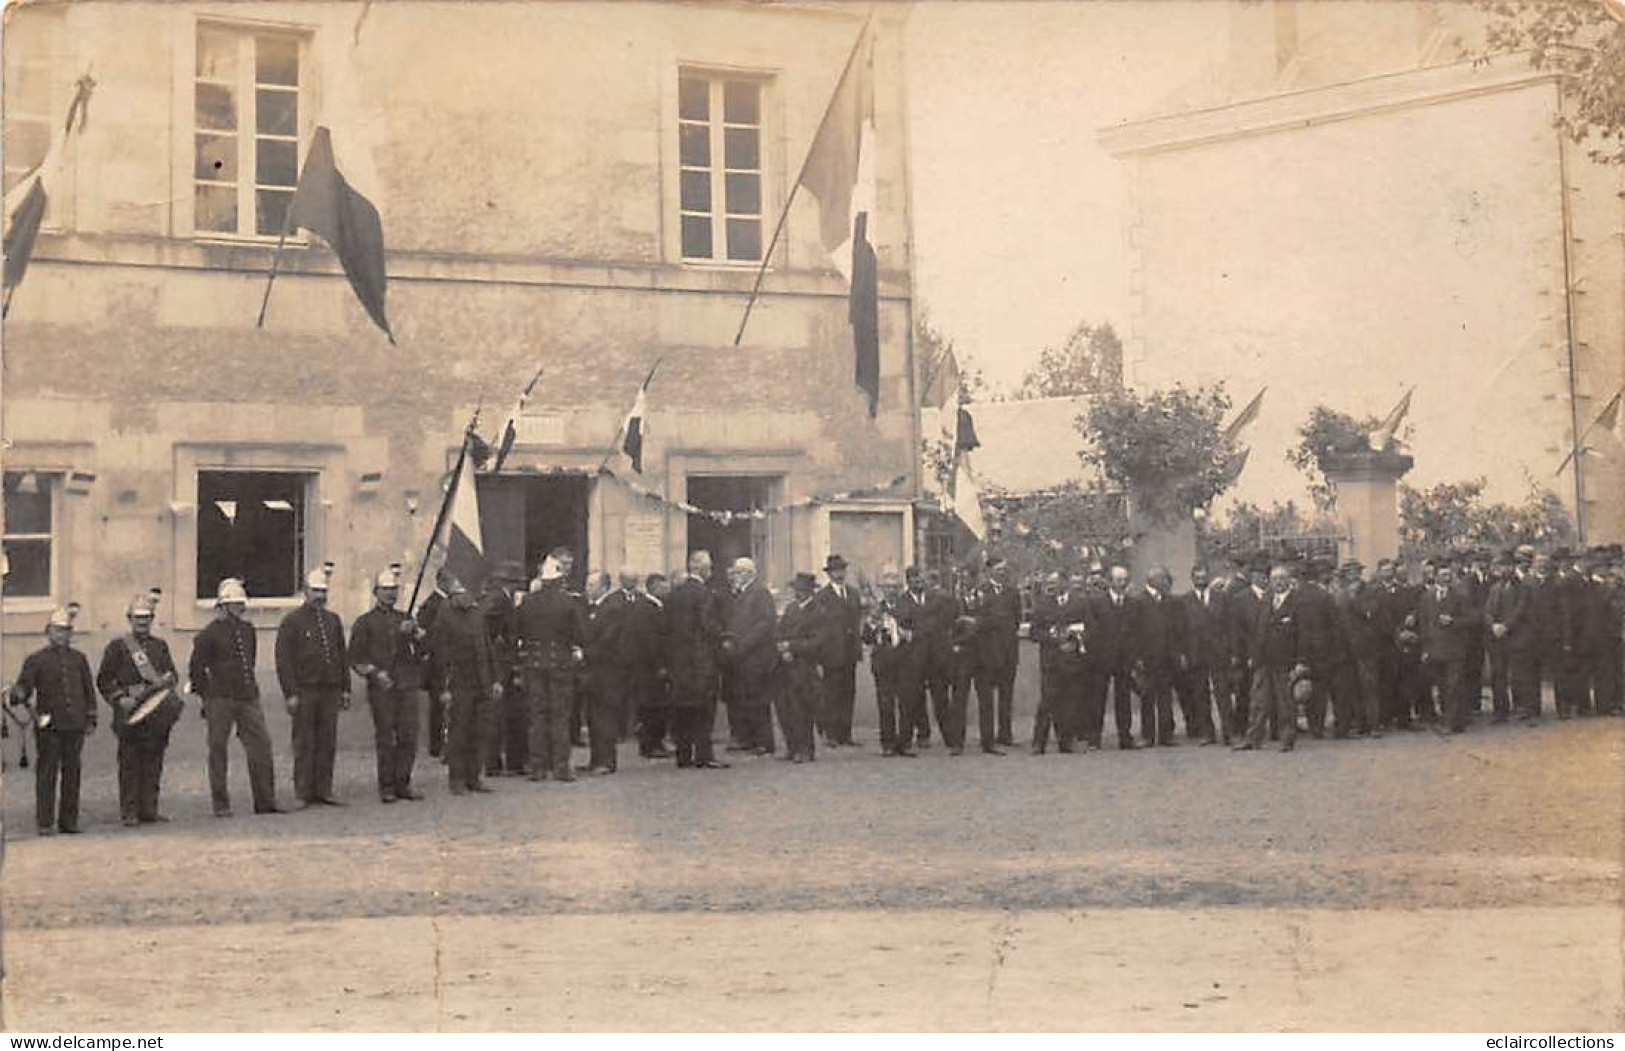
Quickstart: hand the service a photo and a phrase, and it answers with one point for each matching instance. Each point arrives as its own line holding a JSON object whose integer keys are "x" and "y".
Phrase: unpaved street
{"x": 1415, "y": 882}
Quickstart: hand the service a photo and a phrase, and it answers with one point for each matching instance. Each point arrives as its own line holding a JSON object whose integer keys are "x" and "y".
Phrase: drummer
{"x": 137, "y": 679}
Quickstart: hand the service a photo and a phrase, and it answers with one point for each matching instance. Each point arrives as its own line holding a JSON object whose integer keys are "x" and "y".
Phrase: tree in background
{"x": 1454, "y": 515}
{"x": 1247, "y": 527}
{"x": 1060, "y": 530}
{"x": 933, "y": 347}
{"x": 1165, "y": 448}
{"x": 1089, "y": 362}
{"x": 1324, "y": 435}
{"x": 1582, "y": 42}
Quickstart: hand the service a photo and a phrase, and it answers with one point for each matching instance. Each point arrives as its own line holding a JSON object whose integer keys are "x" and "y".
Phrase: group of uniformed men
{"x": 513, "y": 673}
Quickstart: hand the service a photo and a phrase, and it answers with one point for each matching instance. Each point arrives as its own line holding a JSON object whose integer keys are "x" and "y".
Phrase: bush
{"x": 1454, "y": 516}
{"x": 1166, "y": 448}
{"x": 1324, "y": 435}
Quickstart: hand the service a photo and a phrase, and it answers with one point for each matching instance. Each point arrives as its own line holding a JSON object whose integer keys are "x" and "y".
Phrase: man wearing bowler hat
{"x": 800, "y": 642}
{"x": 843, "y": 610}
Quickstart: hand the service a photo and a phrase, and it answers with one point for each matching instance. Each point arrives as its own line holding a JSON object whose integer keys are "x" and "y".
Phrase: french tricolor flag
{"x": 634, "y": 429}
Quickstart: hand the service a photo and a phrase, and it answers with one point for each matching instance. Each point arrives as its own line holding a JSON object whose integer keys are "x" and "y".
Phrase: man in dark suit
{"x": 507, "y": 753}
{"x": 1359, "y": 606}
{"x": 1528, "y": 618}
{"x": 842, "y": 607}
{"x": 998, "y": 626}
{"x": 426, "y": 614}
{"x": 1204, "y": 682}
{"x": 1448, "y": 619}
{"x": 1109, "y": 627}
{"x": 1275, "y": 663}
{"x": 1157, "y": 646}
{"x": 1475, "y": 580}
{"x": 694, "y": 622}
{"x": 749, "y": 657}
{"x": 937, "y": 629}
{"x": 1501, "y": 605}
{"x": 610, "y": 647}
{"x": 1247, "y": 595}
{"x": 1323, "y": 646}
{"x": 892, "y": 659}
{"x": 800, "y": 643}
{"x": 1058, "y": 626}
{"x": 914, "y": 613}
{"x": 646, "y": 646}
{"x": 463, "y": 671}
{"x": 963, "y": 662}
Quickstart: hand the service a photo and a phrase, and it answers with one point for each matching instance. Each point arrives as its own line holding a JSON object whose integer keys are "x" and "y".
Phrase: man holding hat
{"x": 313, "y": 669}
{"x": 57, "y": 680}
{"x": 386, "y": 651}
{"x": 800, "y": 642}
{"x": 222, "y": 673}
{"x": 137, "y": 678}
{"x": 843, "y": 610}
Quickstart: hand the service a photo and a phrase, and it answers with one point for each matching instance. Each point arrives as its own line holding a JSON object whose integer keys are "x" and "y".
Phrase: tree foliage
{"x": 1089, "y": 362}
{"x": 933, "y": 346}
{"x": 1061, "y": 530}
{"x": 1454, "y": 515}
{"x": 1248, "y": 527}
{"x": 1325, "y": 434}
{"x": 1165, "y": 448}
{"x": 1585, "y": 45}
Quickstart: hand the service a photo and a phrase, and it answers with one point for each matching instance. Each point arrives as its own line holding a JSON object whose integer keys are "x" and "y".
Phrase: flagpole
{"x": 445, "y": 510}
{"x": 621, "y": 427}
{"x": 784, "y": 214}
{"x": 276, "y": 264}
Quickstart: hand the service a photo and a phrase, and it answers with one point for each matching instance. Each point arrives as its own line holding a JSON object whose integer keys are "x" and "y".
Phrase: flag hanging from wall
{"x": 26, "y": 204}
{"x": 327, "y": 205}
{"x": 840, "y": 173}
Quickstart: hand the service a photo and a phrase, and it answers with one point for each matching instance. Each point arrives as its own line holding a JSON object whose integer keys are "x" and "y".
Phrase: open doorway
{"x": 742, "y": 537}
{"x": 523, "y": 517}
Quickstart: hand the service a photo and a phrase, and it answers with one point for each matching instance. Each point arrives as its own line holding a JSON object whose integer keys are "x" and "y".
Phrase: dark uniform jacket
{"x": 692, "y": 631}
{"x": 1111, "y": 630}
{"x": 607, "y": 635}
{"x": 749, "y": 630}
{"x": 551, "y": 623}
{"x": 376, "y": 639}
{"x": 1321, "y": 642}
{"x": 501, "y": 623}
{"x": 1205, "y": 632}
{"x": 1276, "y": 632}
{"x": 119, "y": 676}
{"x": 1447, "y": 642}
{"x": 57, "y": 680}
{"x": 1242, "y": 608}
{"x": 644, "y": 636}
{"x": 222, "y": 662}
{"x": 998, "y": 626}
{"x": 805, "y": 630}
{"x": 460, "y": 657}
{"x": 1157, "y": 628}
{"x": 845, "y": 619}
{"x": 431, "y": 609}
{"x": 310, "y": 652}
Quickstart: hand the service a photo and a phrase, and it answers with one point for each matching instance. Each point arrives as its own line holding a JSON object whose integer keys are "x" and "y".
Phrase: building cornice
{"x": 1309, "y": 107}
{"x": 168, "y": 253}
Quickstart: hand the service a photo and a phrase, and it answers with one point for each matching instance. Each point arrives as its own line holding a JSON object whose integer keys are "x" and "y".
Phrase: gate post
{"x": 1366, "y": 486}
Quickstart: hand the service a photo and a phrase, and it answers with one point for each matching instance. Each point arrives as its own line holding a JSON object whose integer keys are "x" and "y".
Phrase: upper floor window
{"x": 29, "y": 540}
{"x": 719, "y": 145}
{"x": 27, "y": 92}
{"x": 247, "y": 103}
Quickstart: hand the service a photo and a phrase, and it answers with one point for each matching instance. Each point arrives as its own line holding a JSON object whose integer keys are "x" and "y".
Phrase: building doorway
{"x": 742, "y": 537}
{"x": 523, "y": 517}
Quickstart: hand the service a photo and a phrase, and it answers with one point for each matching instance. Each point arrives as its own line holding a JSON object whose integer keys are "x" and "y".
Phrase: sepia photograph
{"x": 812, "y": 516}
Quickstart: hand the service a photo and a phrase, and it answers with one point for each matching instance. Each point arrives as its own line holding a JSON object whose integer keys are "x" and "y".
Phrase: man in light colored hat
{"x": 386, "y": 651}
{"x": 552, "y": 638}
{"x": 222, "y": 673}
{"x": 137, "y": 678}
{"x": 313, "y": 669}
{"x": 56, "y": 679}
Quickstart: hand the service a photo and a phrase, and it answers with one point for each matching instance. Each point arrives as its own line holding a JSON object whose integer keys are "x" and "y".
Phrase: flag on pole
{"x": 1247, "y": 415}
{"x": 632, "y": 443}
{"x": 26, "y": 204}
{"x": 463, "y": 541}
{"x": 967, "y": 499}
{"x": 1610, "y": 420}
{"x": 510, "y": 430}
{"x": 327, "y": 205}
{"x": 1384, "y": 434}
{"x": 840, "y": 173}
{"x": 1235, "y": 464}
{"x": 943, "y": 385}
{"x": 965, "y": 433}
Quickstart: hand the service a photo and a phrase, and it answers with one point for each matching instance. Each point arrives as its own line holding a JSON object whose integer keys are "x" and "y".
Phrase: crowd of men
{"x": 521, "y": 673}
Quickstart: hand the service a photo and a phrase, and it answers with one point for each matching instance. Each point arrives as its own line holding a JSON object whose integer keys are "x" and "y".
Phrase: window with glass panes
{"x": 27, "y": 93}
{"x": 246, "y": 150}
{"x": 29, "y": 543}
{"x": 719, "y": 139}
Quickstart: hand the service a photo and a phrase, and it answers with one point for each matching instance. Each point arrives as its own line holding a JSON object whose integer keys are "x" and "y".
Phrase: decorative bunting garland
{"x": 756, "y": 514}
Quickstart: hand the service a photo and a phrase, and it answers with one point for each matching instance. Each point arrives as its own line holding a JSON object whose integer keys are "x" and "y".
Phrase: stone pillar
{"x": 1367, "y": 502}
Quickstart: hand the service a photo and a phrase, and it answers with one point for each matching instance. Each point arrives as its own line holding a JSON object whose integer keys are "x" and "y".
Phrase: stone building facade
{"x": 1351, "y": 208}
{"x": 580, "y": 188}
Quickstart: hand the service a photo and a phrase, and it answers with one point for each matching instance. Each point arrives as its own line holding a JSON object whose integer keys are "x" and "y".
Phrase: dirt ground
{"x": 1417, "y": 882}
